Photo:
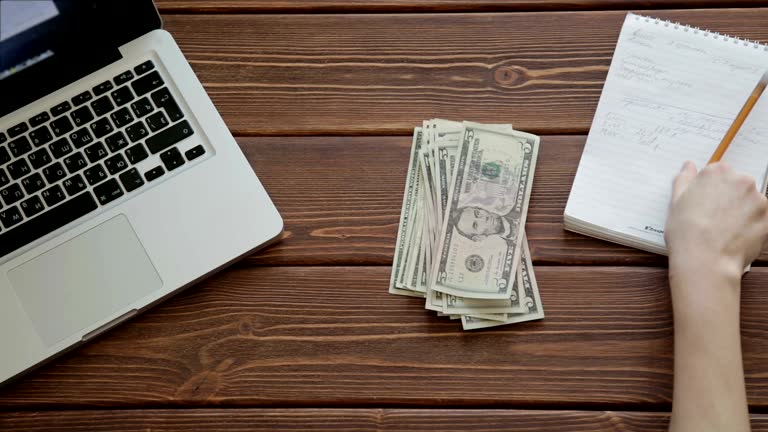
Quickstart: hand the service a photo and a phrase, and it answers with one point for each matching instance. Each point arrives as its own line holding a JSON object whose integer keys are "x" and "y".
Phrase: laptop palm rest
{"x": 85, "y": 280}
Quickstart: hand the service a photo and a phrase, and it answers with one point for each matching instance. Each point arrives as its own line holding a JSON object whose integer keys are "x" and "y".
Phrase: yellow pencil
{"x": 734, "y": 129}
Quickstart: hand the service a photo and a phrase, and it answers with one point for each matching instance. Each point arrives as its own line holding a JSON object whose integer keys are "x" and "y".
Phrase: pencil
{"x": 734, "y": 129}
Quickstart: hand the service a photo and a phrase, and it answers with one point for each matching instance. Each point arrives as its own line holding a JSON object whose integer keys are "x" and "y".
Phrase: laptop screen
{"x": 48, "y": 44}
{"x": 24, "y": 19}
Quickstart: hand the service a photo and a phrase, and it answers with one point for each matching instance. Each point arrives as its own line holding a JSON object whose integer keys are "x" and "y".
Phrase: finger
{"x": 686, "y": 176}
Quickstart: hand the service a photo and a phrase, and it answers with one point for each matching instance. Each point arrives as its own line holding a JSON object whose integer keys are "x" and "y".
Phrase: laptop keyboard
{"x": 81, "y": 154}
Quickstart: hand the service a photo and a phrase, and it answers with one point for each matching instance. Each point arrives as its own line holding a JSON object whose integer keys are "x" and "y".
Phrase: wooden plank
{"x": 401, "y": 6}
{"x": 380, "y": 74}
{"x": 341, "y": 199}
{"x": 362, "y": 420}
{"x": 333, "y": 337}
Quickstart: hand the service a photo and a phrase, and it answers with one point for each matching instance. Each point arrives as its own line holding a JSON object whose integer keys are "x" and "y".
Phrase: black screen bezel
{"x": 85, "y": 37}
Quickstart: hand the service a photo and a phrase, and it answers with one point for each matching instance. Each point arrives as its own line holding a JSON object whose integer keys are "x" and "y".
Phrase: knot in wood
{"x": 509, "y": 75}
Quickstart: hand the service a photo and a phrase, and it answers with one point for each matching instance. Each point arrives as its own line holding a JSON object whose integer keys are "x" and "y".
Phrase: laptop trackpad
{"x": 85, "y": 280}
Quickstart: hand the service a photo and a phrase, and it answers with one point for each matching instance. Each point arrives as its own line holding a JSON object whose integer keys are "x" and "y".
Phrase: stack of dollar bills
{"x": 461, "y": 243}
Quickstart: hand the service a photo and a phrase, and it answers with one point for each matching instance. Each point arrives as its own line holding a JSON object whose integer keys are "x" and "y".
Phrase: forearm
{"x": 709, "y": 391}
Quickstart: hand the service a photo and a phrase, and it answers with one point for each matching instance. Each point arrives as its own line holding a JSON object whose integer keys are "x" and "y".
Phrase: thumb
{"x": 686, "y": 176}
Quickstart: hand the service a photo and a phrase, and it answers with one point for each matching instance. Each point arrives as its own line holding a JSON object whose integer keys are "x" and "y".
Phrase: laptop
{"x": 120, "y": 184}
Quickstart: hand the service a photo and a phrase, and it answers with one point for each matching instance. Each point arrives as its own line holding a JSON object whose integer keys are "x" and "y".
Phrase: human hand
{"x": 717, "y": 224}
{"x": 718, "y": 221}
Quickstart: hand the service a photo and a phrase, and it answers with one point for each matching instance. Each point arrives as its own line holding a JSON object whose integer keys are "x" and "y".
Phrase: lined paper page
{"x": 671, "y": 94}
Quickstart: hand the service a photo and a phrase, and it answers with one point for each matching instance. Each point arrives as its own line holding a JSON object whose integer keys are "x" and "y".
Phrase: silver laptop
{"x": 119, "y": 182}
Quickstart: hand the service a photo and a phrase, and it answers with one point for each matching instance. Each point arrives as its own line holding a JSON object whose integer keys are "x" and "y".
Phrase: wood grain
{"x": 341, "y": 199}
{"x": 333, "y": 337}
{"x": 379, "y": 74}
{"x": 358, "y": 420}
{"x": 400, "y": 6}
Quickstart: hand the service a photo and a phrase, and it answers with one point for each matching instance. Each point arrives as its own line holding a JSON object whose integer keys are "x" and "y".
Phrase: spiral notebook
{"x": 671, "y": 93}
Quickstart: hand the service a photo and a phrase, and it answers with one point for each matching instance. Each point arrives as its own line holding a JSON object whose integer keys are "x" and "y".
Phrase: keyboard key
{"x": 102, "y": 106}
{"x": 61, "y": 126}
{"x": 116, "y": 142}
{"x": 169, "y": 137}
{"x": 5, "y": 157}
{"x": 122, "y": 96}
{"x": 194, "y": 152}
{"x": 32, "y": 206}
{"x": 17, "y": 130}
{"x": 12, "y": 194}
{"x": 173, "y": 111}
{"x": 40, "y": 136}
{"x": 142, "y": 107}
{"x": 102, "y": 88}
{"x": 147, "y": 83}
{"x": 54, "y": 172}
{"x": 136, "y": 153}
{"x": 108, "y": 191}
{"x": 144, "y": 67}
{"x": 39, "y": 158}
{"x": 3, "y": 138}
{"x": 61, "y": 108}
{"x": 45, "y": 223}
{"x": 75, "y": 162}
{"x": 19, "y": 146}
{"x": 157, "y": 121}
{"x": 131, "y": 180}
{"x": 53, "y": 195}
{"x": 172, "y": 158}
{"x": 95, "y": 174}
{"x": 123, "y": 78}
{"x": 38, "y": 119}
{"x": 74, "y": 184}
{"x": 121, "y": 117}
{"x": 82, "y": 116}
{"x": 136, "y": 131}
{"x": 163, "y": 99}
{"x": 102, "y": 127}
{"x": 9, "y": 217}
{"x": 96, "y": 152}
{"x": 116, "y": 164}
{"x": 81, "y": 137}
{"x": 33, "y": 183}
{"x": 4, "y": 179}
{"x": 18, "y": 169}
{"x": 60, "y": 148}
{"x": 154, "y": 173}
{"x": 82, "y": 98}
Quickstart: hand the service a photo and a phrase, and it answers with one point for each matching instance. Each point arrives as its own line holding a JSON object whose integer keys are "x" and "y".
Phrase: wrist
{"x": 692, "y": 267}
{"x": 704, "y": 291}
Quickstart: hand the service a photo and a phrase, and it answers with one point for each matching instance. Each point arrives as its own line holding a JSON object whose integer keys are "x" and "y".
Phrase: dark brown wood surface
{"x": 355, "y": 420}
{"x": 400, "y": 6}
{"x": 323, "y": 96}
{"x": 341, "y": 199}
{"x": 378, "y": 74}
{"x": 334, "y": 337}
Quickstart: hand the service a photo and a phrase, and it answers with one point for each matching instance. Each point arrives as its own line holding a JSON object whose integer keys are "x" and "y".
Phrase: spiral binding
{"x": 706, "y": 33}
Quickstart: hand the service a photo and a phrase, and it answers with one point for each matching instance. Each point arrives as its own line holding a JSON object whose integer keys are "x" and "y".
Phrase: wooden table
{"x": 323, "y": 95}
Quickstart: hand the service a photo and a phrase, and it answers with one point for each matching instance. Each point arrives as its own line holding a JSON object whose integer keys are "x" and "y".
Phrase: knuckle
{"x": 746, "y": 181}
